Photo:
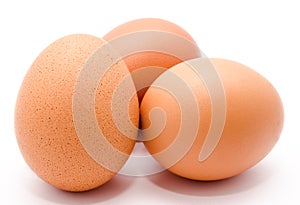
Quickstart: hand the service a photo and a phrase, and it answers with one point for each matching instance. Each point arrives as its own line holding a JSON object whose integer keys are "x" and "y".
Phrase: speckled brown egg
{"x": 47, "y": 129}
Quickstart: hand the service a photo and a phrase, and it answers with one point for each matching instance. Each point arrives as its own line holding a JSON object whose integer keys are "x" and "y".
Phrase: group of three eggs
{"x": 86, "y": 101}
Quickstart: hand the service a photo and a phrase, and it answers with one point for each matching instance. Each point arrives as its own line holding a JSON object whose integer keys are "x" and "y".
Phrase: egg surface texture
{"x": 45, "y": 120}
{"x": 149, "y": 61}
{"x": 248, "y": 112}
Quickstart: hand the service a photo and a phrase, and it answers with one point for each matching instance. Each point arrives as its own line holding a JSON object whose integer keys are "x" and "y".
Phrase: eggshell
{"x": 252, "y": 124}
{"x": 158, "y": 61}
{"x": 45, "y": 123}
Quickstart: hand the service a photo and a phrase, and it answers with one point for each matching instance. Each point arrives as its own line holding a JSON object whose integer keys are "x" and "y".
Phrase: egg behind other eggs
{"x": 177, "y": 45}
{"x": 44, "y": 119}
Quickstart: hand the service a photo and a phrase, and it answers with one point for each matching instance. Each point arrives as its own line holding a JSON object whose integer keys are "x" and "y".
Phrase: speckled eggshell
{"x": 253, "y": 122}
{"x": 44, "y": 123}
{"x": 151, "y": 58}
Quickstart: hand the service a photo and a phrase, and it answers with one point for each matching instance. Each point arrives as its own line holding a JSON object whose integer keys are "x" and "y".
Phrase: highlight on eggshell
{"x": 64, "y": 120}
{"x": 221, "y": 118}
{"x": 146, "y": 65}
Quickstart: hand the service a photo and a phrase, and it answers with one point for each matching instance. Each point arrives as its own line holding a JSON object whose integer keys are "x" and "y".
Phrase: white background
{"x": 264, "y": 35}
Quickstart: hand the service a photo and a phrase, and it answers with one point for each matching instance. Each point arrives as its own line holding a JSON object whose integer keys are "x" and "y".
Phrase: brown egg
{"x": 147, "y": 64}
{"x": 57, "y": 137}
{"x": 221, "y": 118}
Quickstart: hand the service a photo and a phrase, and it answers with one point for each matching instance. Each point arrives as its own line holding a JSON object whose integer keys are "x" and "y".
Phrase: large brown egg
{"x": 57, "y": 136}
{"x": 217, "y": 118}
{"x": 149, "y": 61}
